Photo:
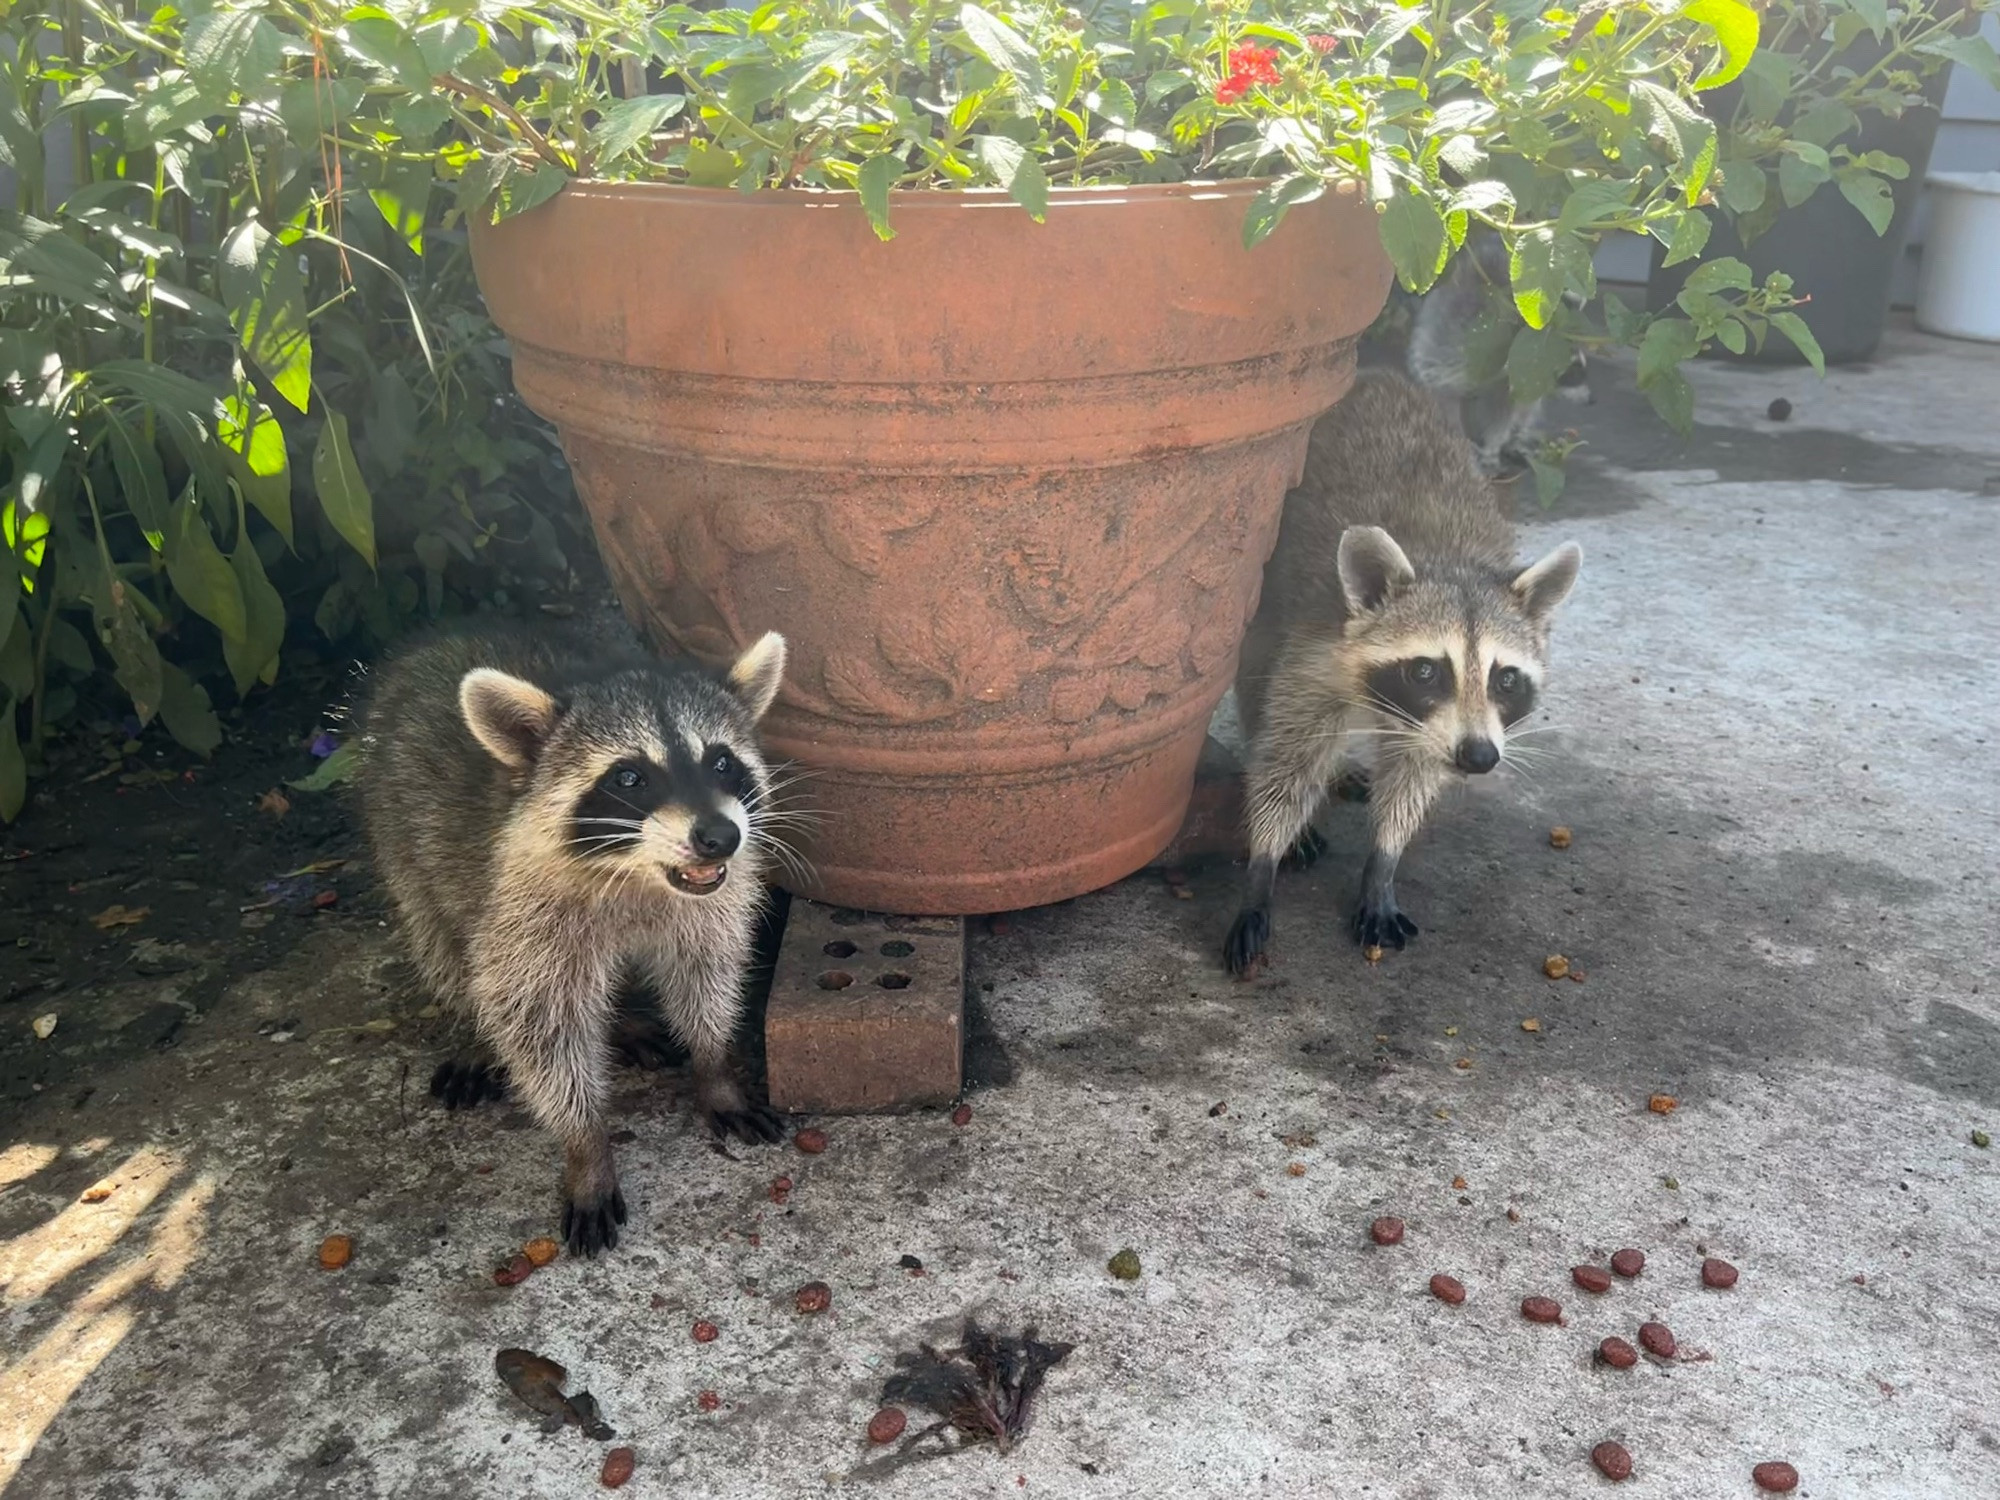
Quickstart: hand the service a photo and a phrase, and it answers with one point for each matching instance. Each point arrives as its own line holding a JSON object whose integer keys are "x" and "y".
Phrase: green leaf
{"x": 1975, "y": 52}
{"x": 1113, "y": 99}
{"x": 1669, "y": 341}
{"x": 1724, "y": 274}
{"x": 1486, "y": 198}
{"x": 342, "y": 494}
{"x": 1013, "y": 168}
{"x": 313, "y": 107}
{"x": 629, "y": 122}
{"x": 266, "y": 298}
{"x": 379, "y": 40}
{"x": 133, "y": 654}
{"x": 1732, "y": 336}
{"x": 1735, "y": 26}
{"x": 1549, "y": 480}
{"x": 255, "y": 657}
{"x": 1413, "y": 232}
{"x": 1009, "y": 51}
{"x": 44, "y": 461}
{"x": 1536, "y": 359}
{"x": 141, "y": 479}
{"x": 1874, "y": 12}
{"x": 877, "y": 176}
{"x": 402, "y": 194}
{"x": 186, "y": 711}
{"x": 1801, "y": 169}
{"x": 1689, "y": 238}
{"x": 1793, "y": 327}
{"x": 1544, "y": 265}
{"x": 17, "y": 660}
{"x": 336, "y": 768}
{"x": 1589, "y": 201}
{"x": 1743, "y": 187}
{"x": 253, "y": 444}
{"x": 522, "y": 190}
{"x": 201, "y": 574}
{"x": 230, "y": 51}
{"x": 68, "y": 647}
{"x": 13, "y": 768}
{"x": 1268, "y": 207}
{"x": 1824, "y": 122}
{"x": 1683, "y": 132}
{"x": 1871, "y": 196}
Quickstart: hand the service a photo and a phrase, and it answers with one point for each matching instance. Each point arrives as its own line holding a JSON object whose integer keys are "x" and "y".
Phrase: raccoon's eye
{"x": 628, "y": 778}
{"x": 721, "y": 763}
{"x": 1423, "y": 669}
{"x": 1509, "y": 680}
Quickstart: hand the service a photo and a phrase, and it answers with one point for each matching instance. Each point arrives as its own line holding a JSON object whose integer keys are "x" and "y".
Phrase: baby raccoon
{"x": 552, "y": 824}
{"x": 1398, "y": 642}
{"x": 1443, "y": 328}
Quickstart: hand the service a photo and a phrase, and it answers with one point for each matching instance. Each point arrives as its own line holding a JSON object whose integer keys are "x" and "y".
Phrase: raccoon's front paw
{"x": 461, "y": 1084}
{"x": 591, "y": 1224}
{"x": 751, "y": 1121}
{"x": 1249, "y": 936}
{"x": 1306, "y": 852}
{"x": 1380, "y": 923}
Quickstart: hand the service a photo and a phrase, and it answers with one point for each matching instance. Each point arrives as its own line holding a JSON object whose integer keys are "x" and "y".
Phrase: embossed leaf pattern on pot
{"x": 1074, "y": 699}
{"x": 752, "y": 528}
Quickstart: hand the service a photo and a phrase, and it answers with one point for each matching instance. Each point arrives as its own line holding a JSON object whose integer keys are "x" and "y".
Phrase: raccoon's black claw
{"x": 592, "y": 1226}
{"x": 464, "y": 1085}
{"x": 1249, "y": 935}
{"x": 1306, "y": 852}
{"x": 1382, "y": 927}
{"x": 754, "y": 1124}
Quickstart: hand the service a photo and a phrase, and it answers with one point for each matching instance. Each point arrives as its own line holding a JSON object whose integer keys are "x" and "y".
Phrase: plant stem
{"x": 506, "y": 111}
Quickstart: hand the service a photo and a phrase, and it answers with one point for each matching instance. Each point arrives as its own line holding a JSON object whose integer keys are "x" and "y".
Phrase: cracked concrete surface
{"x": 1779, "y": 756}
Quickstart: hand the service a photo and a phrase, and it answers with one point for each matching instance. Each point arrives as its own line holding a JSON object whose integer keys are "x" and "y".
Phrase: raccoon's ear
{"x": 1542, "y": 587}
{"x": 1372, "y": 567}
{"x": 756, "y": 676}
{"x": 511, "y": 718}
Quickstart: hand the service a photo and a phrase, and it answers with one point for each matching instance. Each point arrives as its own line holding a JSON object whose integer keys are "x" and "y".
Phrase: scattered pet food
{"x": 1612, "y": 1461}
{"x": 517, "y": 1270}
{"x": 1559, "y": 838}
{"x": 1777, "y": 1477}
{"x": 1295, "y": 1169}
{"x": 323, "y": 899}
{"x": 1541, "y": 1309}
{"x": 541, "y": 1252}
{"x": 1657, "y": 1339}
{"x": 706, "y": 1332}
{"x": 1618, "y": 1354}
{"x": 1779, "y": 410}
{"x": 1448, "y": 1289}
{"x": 1124, "y": 1265}
{"x": 1373, "y": 953}
{"x": 814, "y": 1297}
{"x": 120, "y": 916}
{"x": 1463, "y": 1064}
{"x": 1663, "y": 1104}
{"x": 539, "y": 1380}
{"x": 275, "y": 803}
{"x": 335, "y": 1251}
{"x": 1593, "y": 1279}
{"x": 811, "y": 1140}
{"x": 1513, "y": 1215}
{"x": 618, "y": 1466}
{"x": 1981, "y": 1139}
{"x": 1628, "y": 1263}
{"x": 1531, "y": 1024}
{"x": 1387, "y": 1230}
{"x": 985, "y": 1389}
{"x": 887, "y": 1425}
{"x": 44, "y": 1027}
{"x": 1719, "y": 1274}
{"x": 1458, "y": 1184}
{"x": 103, "y": 1190}
{"x": 781, "y": 1189}
{"x": 962, "y": 1115}
{"x": 708, "y": 1401}
{"x": 1555, "y": 966}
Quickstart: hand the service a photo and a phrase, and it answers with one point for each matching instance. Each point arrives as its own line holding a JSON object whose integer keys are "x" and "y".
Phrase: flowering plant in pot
{"x": 974, "y": 346}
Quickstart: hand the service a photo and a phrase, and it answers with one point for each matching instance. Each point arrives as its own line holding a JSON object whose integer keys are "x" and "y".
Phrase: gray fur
{"x": 513, "y": 920}
{"x": 1393, "y": 550}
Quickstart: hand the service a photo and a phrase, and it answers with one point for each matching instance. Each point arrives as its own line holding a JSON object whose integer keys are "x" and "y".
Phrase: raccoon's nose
{"x": 715, "y": 840}
{"x": 1478, "y": 756}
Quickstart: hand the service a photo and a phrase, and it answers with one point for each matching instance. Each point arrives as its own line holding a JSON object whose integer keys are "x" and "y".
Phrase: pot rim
{"x": 907, "y": 200}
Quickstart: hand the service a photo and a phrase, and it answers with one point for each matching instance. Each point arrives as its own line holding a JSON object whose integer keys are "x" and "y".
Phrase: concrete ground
{"x": 1779, "y": 756}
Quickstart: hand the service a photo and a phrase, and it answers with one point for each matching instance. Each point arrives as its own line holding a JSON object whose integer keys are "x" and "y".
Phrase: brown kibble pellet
{"x": 1618, "y": 1354}
{"x": 1387, "y": 1230}
{"x": 1778, "y": 1477}
{"x": 1593, "y": 1279}
{"x": 1559, "y": 838}
{"x": 811, "y": 1140}
{"x": 1531, "y": 1024}
{"x": 517, "y": 1270}
{"x": 1612, "y": 1461}
{"x": 96, "y": 1194}
{"x": 1719, "y": 1274}
{"x": 706, "y": 1332}
{"x": 1541, "y": 1309}
{"x": 887, "y": 1425}
{"x": 541, "y": 1252}
{"x": 618, "y": 1466}
{"x": 814, "y": 1297}
{"x": 781, "y": 1189}
{"x": 1629, "y": 1263}
{"x": 1663, "y": 1104}
{"x": 1555, "y": 966}
{"x": 1448, "y": 1289}
{"x": 708, "y": 1401}
{"x": 1458, "y": 1184}
{"x": 962, "y": 1115}
{"x": 335, "y": 1251}
{"x": 1373, "y": 953}
{"x": 1657, "y": 1339}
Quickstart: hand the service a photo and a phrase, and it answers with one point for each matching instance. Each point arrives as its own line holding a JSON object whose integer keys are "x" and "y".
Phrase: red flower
{"x": 1231, "y": 89}
{"x": 1258, "y": 64}
{"x": 1322, "y": 43}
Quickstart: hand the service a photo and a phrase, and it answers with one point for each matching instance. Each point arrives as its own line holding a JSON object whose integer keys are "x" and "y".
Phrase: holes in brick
{"x": 898, "y": 950}
{"x": 840, "y": 950}
{"x": 893, "y": 981}
{"x": 837, "y": 979}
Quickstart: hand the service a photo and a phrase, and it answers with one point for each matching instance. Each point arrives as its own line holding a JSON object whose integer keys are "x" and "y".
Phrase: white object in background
{"x": 1958, "y": 285}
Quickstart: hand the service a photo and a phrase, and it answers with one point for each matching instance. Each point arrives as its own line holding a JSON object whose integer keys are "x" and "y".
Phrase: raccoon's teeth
{"x": 702, "y": 874}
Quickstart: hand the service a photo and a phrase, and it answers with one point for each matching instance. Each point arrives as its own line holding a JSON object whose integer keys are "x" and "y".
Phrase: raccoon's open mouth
{"x": 697, "y": 880}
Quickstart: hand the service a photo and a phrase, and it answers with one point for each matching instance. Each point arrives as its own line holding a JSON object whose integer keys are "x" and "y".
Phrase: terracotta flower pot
{"x": 1007, "y": 488}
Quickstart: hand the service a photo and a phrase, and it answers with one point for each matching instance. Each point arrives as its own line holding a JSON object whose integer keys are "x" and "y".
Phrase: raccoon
{"x": 1444, "y": 325}
{"x": 1397, "y": 644}
{"x": 553, "y": 824}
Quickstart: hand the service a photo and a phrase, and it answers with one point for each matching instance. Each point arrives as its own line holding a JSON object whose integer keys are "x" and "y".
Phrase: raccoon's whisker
{"x": 632, "y": 823}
